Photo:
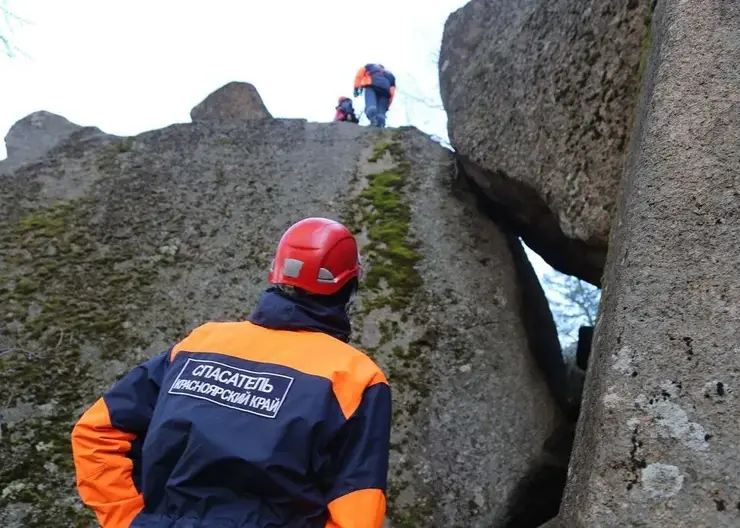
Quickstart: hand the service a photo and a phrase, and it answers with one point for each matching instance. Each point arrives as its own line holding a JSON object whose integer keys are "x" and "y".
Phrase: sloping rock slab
{"x": 111, "y": 253}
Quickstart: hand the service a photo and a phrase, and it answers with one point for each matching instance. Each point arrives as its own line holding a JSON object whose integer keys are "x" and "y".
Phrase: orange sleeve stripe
{"x": 359, "y": 509}
{"x": 360, "y": 77}
{"x": 104, "y": 479}
{"x": 313, "y": 353}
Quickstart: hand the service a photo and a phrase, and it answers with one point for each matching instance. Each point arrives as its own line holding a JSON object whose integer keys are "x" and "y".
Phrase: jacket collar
{"x": 277, "y": 311}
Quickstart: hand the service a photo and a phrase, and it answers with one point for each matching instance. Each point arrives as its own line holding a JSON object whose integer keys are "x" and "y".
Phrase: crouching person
{"x": 345, "y": 111}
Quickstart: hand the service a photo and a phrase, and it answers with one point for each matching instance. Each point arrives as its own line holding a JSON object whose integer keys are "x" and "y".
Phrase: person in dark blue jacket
{"x": 379, "y": 85}
{"x": 345, "y": 111}
{"x": 271, "y": 422}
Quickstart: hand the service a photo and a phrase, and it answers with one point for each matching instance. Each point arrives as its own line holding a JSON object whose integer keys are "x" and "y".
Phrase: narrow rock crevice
{"x": 537, "y": 497}
{"x": 539, "y": 494}
{"x": 542, "y": 334}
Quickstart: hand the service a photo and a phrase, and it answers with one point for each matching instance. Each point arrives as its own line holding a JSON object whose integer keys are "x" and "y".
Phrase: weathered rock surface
{"x": 235, "y": 101}
{"x": 540, "y": 97}
{"x": 111, "y": 252}
{"x": 36, "y": 134}
{"x": 657, "y": 444}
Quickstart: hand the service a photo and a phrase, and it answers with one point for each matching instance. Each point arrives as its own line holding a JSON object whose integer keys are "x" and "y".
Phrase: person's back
{"x": 271, "y": 422}
{"x": 379, "y": 85}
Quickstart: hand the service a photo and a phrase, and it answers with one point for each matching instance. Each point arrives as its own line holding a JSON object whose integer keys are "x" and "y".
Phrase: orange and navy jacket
{"x": 377, "y": 77}
{"x": 270, "y": 422}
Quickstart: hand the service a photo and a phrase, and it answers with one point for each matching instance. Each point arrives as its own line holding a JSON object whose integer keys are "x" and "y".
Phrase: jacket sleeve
{"x": 107, "y": 440}
{"x": 357, "y": 498}
{"x": 392, "y": 80}
{"x": 361, "y": 73}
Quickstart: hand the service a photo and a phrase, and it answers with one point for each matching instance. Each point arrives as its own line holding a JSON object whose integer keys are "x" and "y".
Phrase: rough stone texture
{"x": 658, "y": 441}
{"x": 235, "y": 101}
{"x": 111, "y": 251}
{"x": 539, "y": 97}
{"x": 36, "y": 134}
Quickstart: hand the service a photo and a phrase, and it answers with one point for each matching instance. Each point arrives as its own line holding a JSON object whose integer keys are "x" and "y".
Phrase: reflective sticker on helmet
{"x": 325, "y": 275}
{"x": 292, "y": 267}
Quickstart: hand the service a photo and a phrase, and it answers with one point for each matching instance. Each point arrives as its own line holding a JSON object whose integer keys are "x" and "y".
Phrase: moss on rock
{"x": 383, "y": 211}
{"x": 64, "y": 290}
{"x": 391, "y": 297}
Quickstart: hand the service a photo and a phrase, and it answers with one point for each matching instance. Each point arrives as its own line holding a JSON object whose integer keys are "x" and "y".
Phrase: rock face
{"x": 235, "y": 101}
{"x": 36, "y": 134}
{"x": 657, "y": 441}
{"x": 111, "y": 252}
{"x": 540, "y": 97}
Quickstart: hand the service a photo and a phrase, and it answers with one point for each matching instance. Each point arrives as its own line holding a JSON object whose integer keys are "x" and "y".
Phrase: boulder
{"x": 657, "y": 441}
{"x": 111, "y": 253}
{"x": 36, "y": 134}
{"x": 540, "y": 98}
{"x": 235, "y": 101}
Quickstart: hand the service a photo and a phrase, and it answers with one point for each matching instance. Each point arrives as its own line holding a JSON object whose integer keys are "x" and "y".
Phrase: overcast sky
{"x": 128, "y": 67}
{"x": 132, "y": 66}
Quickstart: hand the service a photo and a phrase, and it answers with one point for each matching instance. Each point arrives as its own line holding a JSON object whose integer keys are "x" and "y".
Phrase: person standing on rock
{"x": 379, "y": 85}
{"x": 273, "y": 421}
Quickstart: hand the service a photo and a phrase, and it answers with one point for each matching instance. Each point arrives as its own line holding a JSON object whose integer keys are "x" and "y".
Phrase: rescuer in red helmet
{"x": 273, "y": 421}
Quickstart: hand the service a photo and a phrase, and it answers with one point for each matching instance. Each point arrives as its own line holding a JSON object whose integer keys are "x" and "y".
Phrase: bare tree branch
{"x": 574, "y": 303}
{"x": 7, "y": 20}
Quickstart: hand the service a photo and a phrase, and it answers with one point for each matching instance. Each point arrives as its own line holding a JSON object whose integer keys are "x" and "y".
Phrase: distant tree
{"x": 574, "y": 303}
{"x": 7, "y": 20}
{"x": 422, "y": 100}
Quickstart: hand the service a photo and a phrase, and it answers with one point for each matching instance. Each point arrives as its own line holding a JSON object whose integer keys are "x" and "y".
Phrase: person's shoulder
{"x": 213, "y": 328}
{"x": 360, "y": 364}
{"x": 210, "y": 327}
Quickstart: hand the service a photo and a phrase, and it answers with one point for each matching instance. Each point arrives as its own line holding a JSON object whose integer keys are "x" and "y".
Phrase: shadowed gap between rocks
{"x": 541, "y": 331}
{"x": 537, "y": 497}
{"x": 506, "y": 199}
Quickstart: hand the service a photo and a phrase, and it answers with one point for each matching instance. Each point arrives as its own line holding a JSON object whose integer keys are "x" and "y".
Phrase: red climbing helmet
{"x": 317, "y": 255}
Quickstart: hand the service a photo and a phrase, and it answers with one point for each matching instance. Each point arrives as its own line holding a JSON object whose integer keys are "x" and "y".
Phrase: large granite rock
{"x": 540, "y": 98}
{"x": 38, "y": 133}
{"x": 110, "y": 252}
{"x": 235, "y": 101}
{"x": 658, "y": 441}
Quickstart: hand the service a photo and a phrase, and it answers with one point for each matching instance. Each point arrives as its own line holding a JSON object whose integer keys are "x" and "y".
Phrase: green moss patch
{"x": 394, "y": 148}
{"x": 107, "y": 158}
{"x": 416, "y": 515}
{"x": 382, "y": 213}
{"x": 63, "y": 290}
{"x": 382, "y": 209}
